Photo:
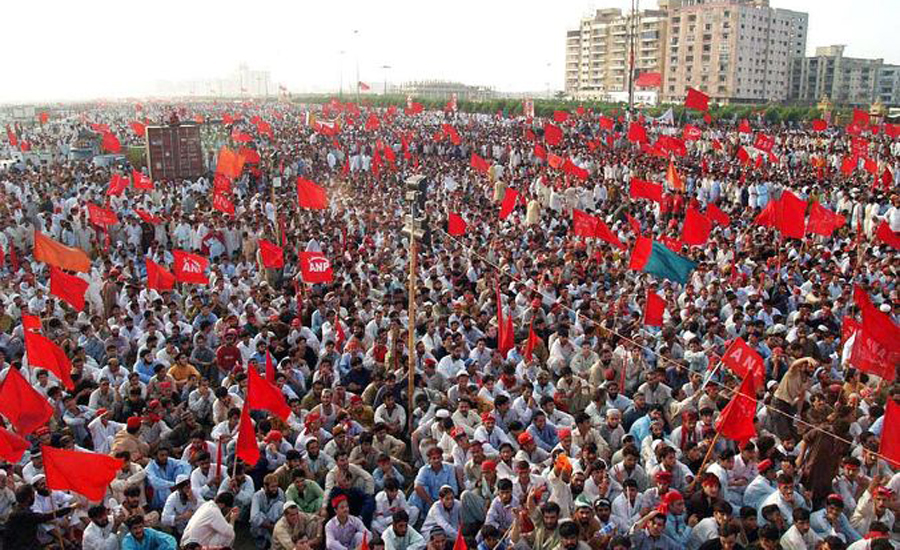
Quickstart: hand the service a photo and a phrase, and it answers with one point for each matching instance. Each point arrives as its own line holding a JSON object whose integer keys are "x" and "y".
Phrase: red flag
{"x": 140, "y": 181}
{"x": 654, "y": 309}
{"x": 823, "y": 221}
{"x": 648, "y": 80}
{"x": 885, "y": 235}
{"x": 222, "y": 203}
{"x": 607, "y": 123}
{"x": 764, "y": 142}
{"x": 111, "y": 143}
{"x": 451, "y": 131}
{"x": 819, "y": 125}
{"x": 792, "y": 216}
{"x": 117, "y": 185}
{"x": 22, "y": 405}
{"x": 860, "y": 118}
{"x": 890, "y": 433}
{"x": 637, "y": 133}
{"x": 876, "y": 322}
{"x": 372, "y": 123}
{"x": 560, "y": 116}
{"x": 230, "y": 163}
{"x": 43, "y": 117}
{"x": 583, "y": 225}
{"x": 190, "y": 268}
{"x": 87, "y": 474}
{"x": 743, "y": 360}
{"x": 148, "y": 217}
{"x": 365, "y": 541}
{"x": 250, "y": 156}
{"x": 743, "y": 155}
{"x": 539, "y": 151}
{"x": 892, "y": 130}
{"x": 505, "y": 335}
{"x": 460, "y": 542}
{"x": 887, "y": 177}
{"x": 716, "y": 215}
{"x": 691, "y": 133}
{"x": 479, "y": 164}
{"x": 270, "y": 368}
{"x": 138, "y": 128}
{"x": 744, "y": 126}
{"x": 509, "y": 202}
{"x": 11, "y": 136}
{"x": 871, "y": 356}
{"x": 696, "y": 229}
{"x": 247, "y": 446}
{"x": 272, "y": 255}
{"x": 43, "y": 353}
{"x": 13, "y": 258}
{"x": 101, "y": 216}
{"x": 696, "y": 100}
{"x": 455, "y": 224}
{"x": 531, "y": 342}
{"x": 602, "y": 231}
{"x": 870, "y": 166}
{"x": 31, "y": 323}
{"x": 848, "y": 165}
{"x": 263, "y": 394}
{"x": 641, "y": 189}
{"x": 552, "y": 134}
{"x": 158, "y": 278}
{"x": 240, "y": 137}
{"x": 310, "y": 195}
{"x": 68, "y": 288}
{"x": 315, "y": 268}
{"x": 736, "y": 420}
{"x": 12, "y": 447}
{"x": 635, "y": 225}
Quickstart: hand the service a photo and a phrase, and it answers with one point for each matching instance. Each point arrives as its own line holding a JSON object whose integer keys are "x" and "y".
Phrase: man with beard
{"x": 100, "y": 534}
{"x": 400, "y": 536}
{"x": 265, "y": 509}
{"x": 180, "y": 505}
{"x": 545, "y": 535}
{"x": 569, "y": 537}
{"x": 649, "y": 533}
{"x": 588, "y": 526}
{"x": 140, "y": 537}
{"x": 296, "y": 530}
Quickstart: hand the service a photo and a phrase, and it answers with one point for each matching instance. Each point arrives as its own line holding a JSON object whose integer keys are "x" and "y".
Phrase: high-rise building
{"x": 844, "y": 80}
{"x": 599, "y": 51}
{"x": 733, "y": 50}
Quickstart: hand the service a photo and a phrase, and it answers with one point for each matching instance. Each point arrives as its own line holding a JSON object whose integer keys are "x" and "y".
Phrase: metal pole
{"x": 631, "y": 57}
{"x": 356, "y": 47}
{"x": 411, "y": 328}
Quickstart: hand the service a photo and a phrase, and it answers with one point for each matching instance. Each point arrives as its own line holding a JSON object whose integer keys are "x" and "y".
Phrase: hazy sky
{"x": 105, "y": 48}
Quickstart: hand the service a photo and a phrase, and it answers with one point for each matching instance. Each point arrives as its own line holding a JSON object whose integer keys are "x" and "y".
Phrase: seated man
{"x": 343, "y": 531}
{"x": 141, "y": 538}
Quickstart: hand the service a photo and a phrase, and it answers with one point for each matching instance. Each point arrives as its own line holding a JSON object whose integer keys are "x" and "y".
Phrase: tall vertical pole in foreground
{"x": 412, "y": 228}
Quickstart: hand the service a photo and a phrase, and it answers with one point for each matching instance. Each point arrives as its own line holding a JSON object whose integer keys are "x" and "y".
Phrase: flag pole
{"x": 703, "y": 464}
{"x": 411, "y": 322}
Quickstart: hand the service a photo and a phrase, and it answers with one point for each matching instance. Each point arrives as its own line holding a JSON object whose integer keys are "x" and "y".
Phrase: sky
{"x": 104, "y": 49}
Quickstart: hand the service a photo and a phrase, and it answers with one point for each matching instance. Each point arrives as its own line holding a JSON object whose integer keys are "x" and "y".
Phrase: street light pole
{"x": 386, "y": 68}
{"x": 341, "y": 72}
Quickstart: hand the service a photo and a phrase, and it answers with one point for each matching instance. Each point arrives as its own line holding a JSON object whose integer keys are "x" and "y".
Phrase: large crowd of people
{"x": 594, "y": 431}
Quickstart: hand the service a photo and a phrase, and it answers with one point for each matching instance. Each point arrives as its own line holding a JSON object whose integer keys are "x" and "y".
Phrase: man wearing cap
{"x": 343, "y": 531}
{"x": 266, "y": 508}
{"x": 762, "y": 485}
{"x": 180, "y": 505}
{"x": 431, "y": 478}
{"x": 873, "y": 506}
{"x": 103, "y": 430}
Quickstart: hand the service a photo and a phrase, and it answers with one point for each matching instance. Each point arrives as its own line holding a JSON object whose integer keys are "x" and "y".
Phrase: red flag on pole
{"x": 509, "y": 202}
{"x": 885, "y": 235}
{"x": 505, "y": 335}
{"x": 456, "y": 225}
{"x": 823, "y": 221}
{"x": 43, "y": 353}
{"x": 743, "y": 360}
{"x": 222, "y": 202}
{"x": 263, "y": 394}
{"x": 68, "y": 288}
{"x": 140, "y": 181}
{"x": 819, "y": 125}
{"x": 22, "y": 405}
{"x": 696, "y": 229}
{"x": 101, "y": 216}
{"x": 190, "y": 268}
{"x": 479, "y": 164}
{"x": 460, "y": 542}
{"x": 716, "y": 215}
{"x": 310, "y": 195}
{"x": 117, "y": 185}
{"x": 12, "y": 447}
{"x": 159, "y": 278}
{"x": 270, "y": 368}
{"x": 247, "y": 446}
{"x": 272, "y": 255}
{"x": 552, "y": 134}
{"x": 654, "y": 309}
{"x": 890, "y": 433}
{"x": 87, "y": 474}
{"x": 111, "y": 143}
{"x": 696, "y": 100}
{"x": 315, "y": 268}
{"x": 641, "y": 189}
{"x": 736, "y": 420}
{"x": 791, "y": 216}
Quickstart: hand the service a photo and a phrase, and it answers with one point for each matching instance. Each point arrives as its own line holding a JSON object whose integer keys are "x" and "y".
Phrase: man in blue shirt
{"x": 544, "y": 432}
{"x": 144, "y": 538}
{"x": 431, "y": 478}
{"x": 162, "y": 473}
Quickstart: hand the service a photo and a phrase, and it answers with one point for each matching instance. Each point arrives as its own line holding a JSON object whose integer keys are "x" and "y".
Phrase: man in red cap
{"x": 871, "y": 507}
{"x": 343, "y": 531}
{"x": 130, "y": 441}
{"x": 762, "y": 485}
{"x": 103, "y": 430}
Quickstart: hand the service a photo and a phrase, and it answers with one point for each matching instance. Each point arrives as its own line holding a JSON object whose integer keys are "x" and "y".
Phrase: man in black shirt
{"x": 22, "y": 526}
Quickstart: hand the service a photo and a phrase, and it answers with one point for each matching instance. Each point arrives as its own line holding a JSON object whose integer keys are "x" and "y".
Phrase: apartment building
{"x": 844, "y": 80}
{"x": 734, "y": 50}
{"x": 599, "y": 51}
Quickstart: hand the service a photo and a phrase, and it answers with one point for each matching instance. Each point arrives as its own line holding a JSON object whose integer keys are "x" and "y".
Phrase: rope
{"x": 735, "y": 392}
